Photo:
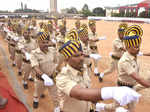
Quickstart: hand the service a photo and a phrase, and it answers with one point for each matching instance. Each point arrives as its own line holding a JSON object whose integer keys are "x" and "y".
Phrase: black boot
{"x": 25, "y": 86}
{"x": 100, "y": 79}
{"x": 96, "y": 74}
{"x": 31, "y": 79}
{"x": 42, "y": 96}
{"x": 19, "y": 73}
{"x": 35, "y": 104}
{"x": 91, "y": 110}
{"x": 13, "y": 65}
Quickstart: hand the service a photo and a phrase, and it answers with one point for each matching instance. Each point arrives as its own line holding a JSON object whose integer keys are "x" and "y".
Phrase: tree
{"x": 143, "y": 14}
{"x": 72, "y": 10}
{"x": 99, "y": 11}
{"x": 85, "y": 7}
{"x": 85, "y": 11}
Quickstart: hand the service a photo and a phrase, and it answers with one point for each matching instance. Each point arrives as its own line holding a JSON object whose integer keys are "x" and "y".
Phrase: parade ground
{"x": 104, "y": 28}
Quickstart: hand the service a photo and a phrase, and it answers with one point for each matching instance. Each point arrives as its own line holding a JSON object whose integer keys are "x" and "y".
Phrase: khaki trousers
{"x": 19, "y": 60}
{"x": 11, "y": 50}
{"x": 40, "y": 88}
{"x": 112, "y": 66}
{"x": 26, "y": 71}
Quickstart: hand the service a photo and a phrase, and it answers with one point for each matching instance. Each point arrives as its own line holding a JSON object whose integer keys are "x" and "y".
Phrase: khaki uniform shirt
{"x": 20, "y": 43}
{"x": 85, "y": 48}
{"x": 29, "y": 46}
{"x": 117, "y": 45}
{"x": 11, "y": 37}
{"x": 126, "y": 66}
{"x": 65, "y": 81}
{"x": 92, "y": 36}
{"x": 60, "y": 41}
{"x": 47, "y": 62}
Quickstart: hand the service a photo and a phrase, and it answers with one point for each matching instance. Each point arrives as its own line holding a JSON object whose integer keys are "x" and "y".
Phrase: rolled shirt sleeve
{"x": 64, "y": 83}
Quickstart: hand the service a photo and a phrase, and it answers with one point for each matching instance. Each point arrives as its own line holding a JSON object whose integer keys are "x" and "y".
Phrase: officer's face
{"x": 121, "y": 35}
{"x": 84, "y": 39}
{"x": 77, "y": 60}
{"x": 93, "y": 28}
{"x": 62, "y": 31}
{"x": 77, "y": 25}
{"x": 43, "y": 44}
{"x": 133, "y": 50}
{"x": 26, "y": 35}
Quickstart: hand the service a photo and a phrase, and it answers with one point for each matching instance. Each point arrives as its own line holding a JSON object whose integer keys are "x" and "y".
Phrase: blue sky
{"x": 44, "y": 4}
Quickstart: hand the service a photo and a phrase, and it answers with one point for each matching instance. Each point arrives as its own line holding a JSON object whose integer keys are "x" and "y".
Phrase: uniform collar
{"x": 73, "y": 71}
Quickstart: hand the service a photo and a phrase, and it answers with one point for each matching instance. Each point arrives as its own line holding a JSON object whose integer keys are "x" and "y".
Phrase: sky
{"x": 11, "y": 5}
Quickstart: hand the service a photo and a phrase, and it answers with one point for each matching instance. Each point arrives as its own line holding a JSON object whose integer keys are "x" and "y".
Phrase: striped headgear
{"x": 83, "y": 31}
{"x": 132, "y": 36}
{"x": 70, "y": 48}
{"x": 45, "y": 27}
{"x": 43, "y": 36}
{"x": 72, "y": 35}
{"x": 92, "y": 22}
{"x": 50, "y": 22}
{"x": 122, "y": 27}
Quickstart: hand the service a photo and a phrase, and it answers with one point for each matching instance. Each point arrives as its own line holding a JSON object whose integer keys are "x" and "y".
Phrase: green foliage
{"x": 123, "y": 14}
{"x": 143, "y": 14}
{"x": 72, "y": 10}
{"x": 99, "y": 12}
{"x": 85, "y": 11}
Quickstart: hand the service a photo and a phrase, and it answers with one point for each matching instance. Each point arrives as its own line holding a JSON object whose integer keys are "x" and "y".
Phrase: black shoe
{"x": 100, "y": 79}
{"x": 19, "y": 73}
{"x": 42, "y": 96}
{"x": 31, "y": 79}
{"x": 25, "y": 86}
{"x": 13, "y": 65}
{"x": 92, "y": 110}
{"x": 35, "y": 105}
{"x": 97, "y": 74}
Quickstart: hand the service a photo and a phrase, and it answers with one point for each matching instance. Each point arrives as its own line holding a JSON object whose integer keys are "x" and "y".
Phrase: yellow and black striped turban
{"x": 50, "y": 22}
{"x": 43, "y": 36}
{"x": 92, "y": 22}
{"x": 132, "y": 36}
{"x": 45, "y": 27}
{"x": 70, "y": 48}
{"x": 122, "y": 27}
{"x": 72, "y": 35}
{"x": 83, "y": 31}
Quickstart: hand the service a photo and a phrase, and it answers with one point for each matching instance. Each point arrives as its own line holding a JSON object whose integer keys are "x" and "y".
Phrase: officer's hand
{"x": 28, "y": 56}
{"x": 121, "y": 109}
{"x": 102, "y": 38}
{"x": 110, "y": 54}
{"x": 95, "y": 56}
{"x": 47, "y": 80}
{"x": 140, "y": 54}
{"x": 123, "y": 95}
{"x": 54, "y": 41}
